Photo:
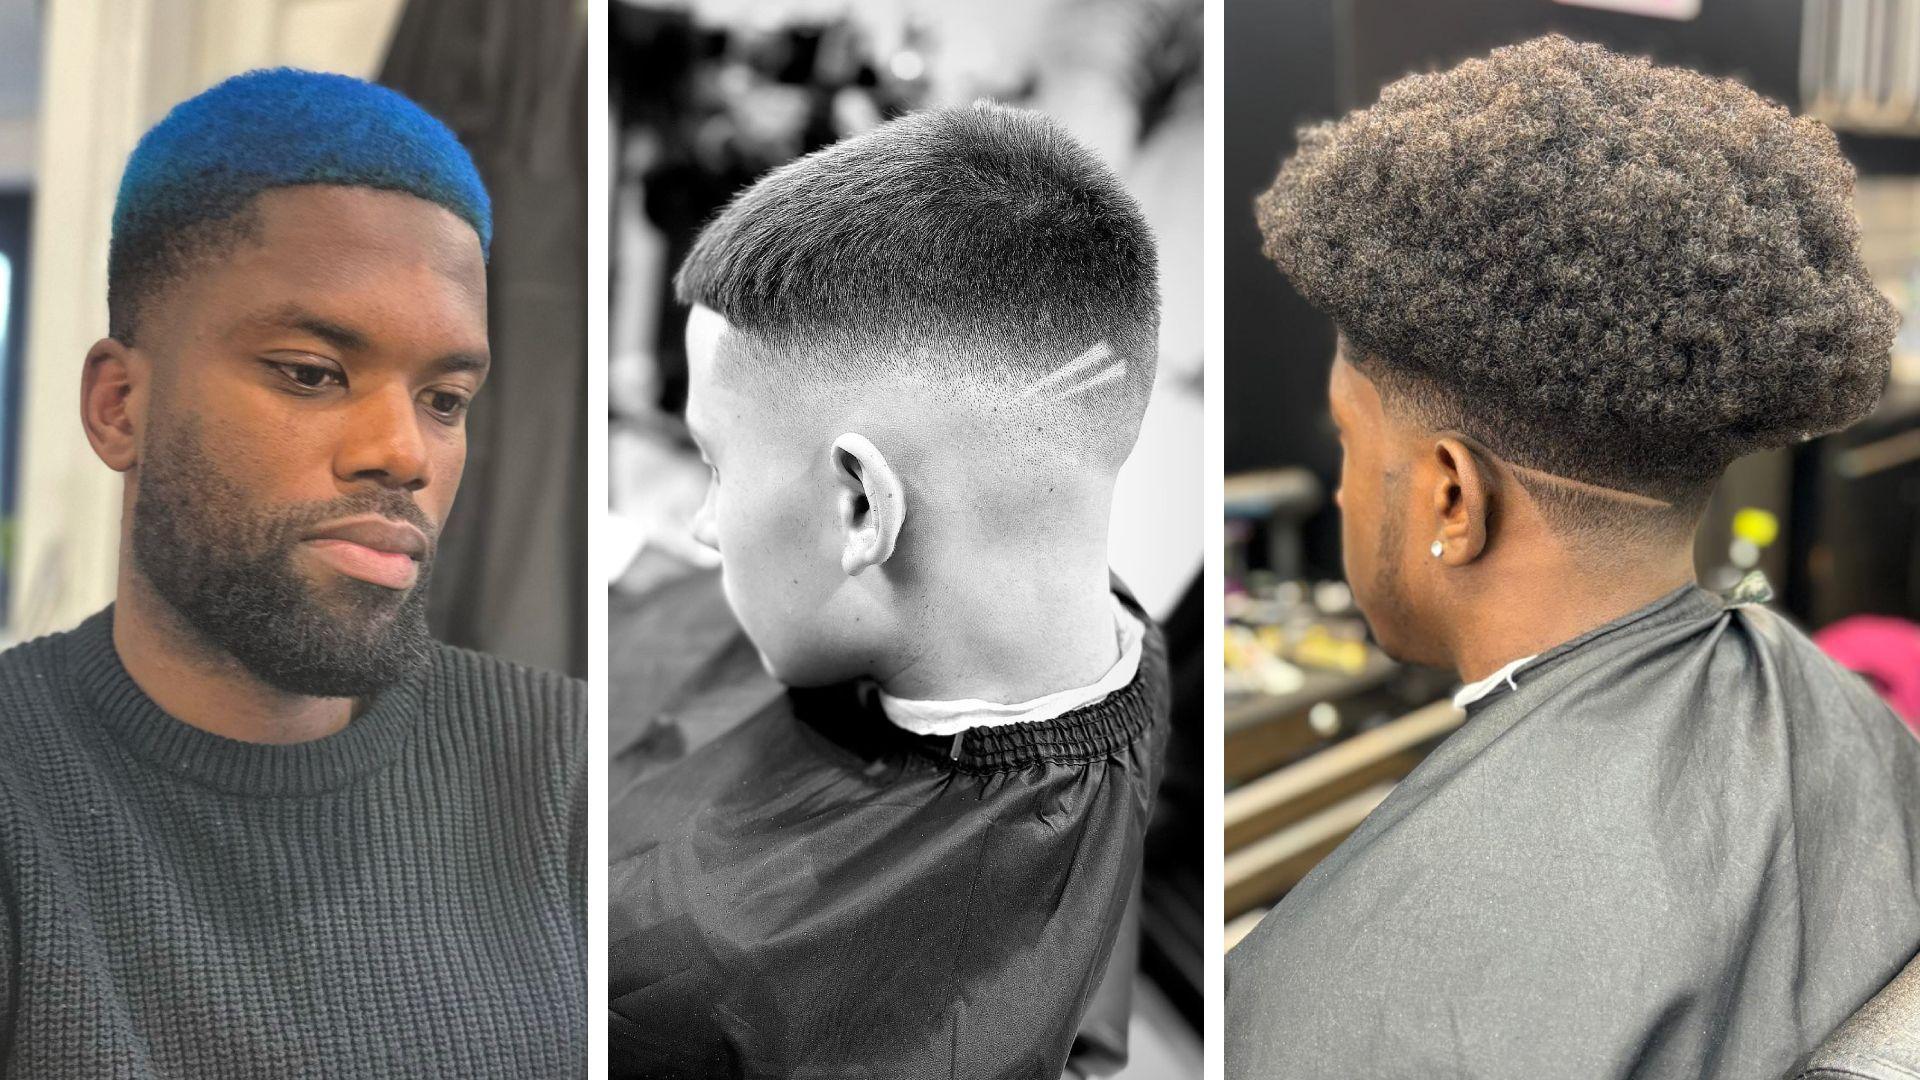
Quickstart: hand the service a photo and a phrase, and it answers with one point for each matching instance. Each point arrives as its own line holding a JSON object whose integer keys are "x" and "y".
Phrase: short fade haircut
{"x": 188, "y": 191}
{"x": 980, "y": 247}
{"x": 1619, "y": 273}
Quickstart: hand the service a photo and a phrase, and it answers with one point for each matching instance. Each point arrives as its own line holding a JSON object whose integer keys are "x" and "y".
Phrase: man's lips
{"x": 374, "y": 549}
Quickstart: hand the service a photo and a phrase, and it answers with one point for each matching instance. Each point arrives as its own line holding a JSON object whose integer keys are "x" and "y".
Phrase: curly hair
{"x": 1625, "y": 274}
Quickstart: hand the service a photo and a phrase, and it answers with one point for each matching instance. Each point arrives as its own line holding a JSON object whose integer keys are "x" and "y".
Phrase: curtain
{"x": 509, "y": 77}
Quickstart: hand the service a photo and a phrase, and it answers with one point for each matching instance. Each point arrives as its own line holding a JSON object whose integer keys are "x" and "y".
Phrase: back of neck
{"x": 1526, "y": 610}
{"x": 1009, "y": 633}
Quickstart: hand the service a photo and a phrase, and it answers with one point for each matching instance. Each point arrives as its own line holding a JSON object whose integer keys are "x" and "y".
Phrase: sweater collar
{"x": 102, "y": 690}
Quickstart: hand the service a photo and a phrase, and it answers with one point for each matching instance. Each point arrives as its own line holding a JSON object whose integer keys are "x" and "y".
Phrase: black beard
{"x": 226, "y": 565}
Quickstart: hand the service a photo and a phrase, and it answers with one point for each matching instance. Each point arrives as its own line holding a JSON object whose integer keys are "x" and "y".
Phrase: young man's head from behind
{"x": 917, "y": 360}
{"x": 1571, "y": 288}
{"x": 297, "y": 308}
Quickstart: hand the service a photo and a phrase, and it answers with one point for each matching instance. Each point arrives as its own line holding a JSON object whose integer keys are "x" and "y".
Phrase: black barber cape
{"x": 1687, "y": 845}
{"x": 817, "y": 892}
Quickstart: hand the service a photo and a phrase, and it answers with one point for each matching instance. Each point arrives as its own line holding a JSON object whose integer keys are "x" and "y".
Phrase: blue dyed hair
{"x": 194, "y": 174}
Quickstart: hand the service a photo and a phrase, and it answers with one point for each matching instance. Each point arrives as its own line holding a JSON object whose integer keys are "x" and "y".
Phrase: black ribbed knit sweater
{"x": 402, "y": 898}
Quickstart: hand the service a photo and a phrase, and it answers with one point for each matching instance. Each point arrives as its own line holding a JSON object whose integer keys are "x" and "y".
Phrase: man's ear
{"x": 872, "y": 503}
{"x": 1462, "y": 502}
{"x": 114, "y": 388}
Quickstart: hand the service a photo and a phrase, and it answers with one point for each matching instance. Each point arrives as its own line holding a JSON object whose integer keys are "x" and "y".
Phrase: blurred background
{"x": 709, "y": 95}
{"x": 81, "y": 80}
{"x": 1319, "y": 724}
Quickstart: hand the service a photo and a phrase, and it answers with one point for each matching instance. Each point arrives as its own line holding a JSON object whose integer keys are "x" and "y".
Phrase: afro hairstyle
{"x": 1624, "y": 274}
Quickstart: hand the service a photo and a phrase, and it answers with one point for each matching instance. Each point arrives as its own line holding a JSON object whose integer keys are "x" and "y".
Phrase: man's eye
{"x": 309, "y": 376}
{"x": 446, "y": 404}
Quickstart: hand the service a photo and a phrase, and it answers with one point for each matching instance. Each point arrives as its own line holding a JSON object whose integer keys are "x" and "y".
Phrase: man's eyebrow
{"x": 295, "y": 317}
{"x": 347, "y": 339}
{"x": 457, "y": 362}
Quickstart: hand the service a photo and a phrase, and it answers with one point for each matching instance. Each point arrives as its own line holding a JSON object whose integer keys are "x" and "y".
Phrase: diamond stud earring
{"x": 1437, "y": 548}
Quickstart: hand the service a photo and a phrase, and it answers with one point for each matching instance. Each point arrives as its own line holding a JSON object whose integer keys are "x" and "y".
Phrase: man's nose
{"x": 383, "y": 442}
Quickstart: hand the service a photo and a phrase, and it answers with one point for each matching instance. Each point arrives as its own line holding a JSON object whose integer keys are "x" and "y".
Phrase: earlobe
{"x": 1462, "y": 503}
{"x": 872, "y": 503}
{"x": 113, "y": 402}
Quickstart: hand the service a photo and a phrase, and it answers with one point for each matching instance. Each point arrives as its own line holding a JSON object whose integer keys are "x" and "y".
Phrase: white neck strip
{"x": 953, "y": 717}
{"x": 1474, "y": 691}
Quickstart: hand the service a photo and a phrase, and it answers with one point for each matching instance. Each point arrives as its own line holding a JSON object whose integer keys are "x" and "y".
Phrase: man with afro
{"x": 254, "y": 820}
{"x": 1671, "y": 839}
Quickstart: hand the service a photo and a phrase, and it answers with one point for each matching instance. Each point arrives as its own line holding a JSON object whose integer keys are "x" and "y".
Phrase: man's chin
{"x": 766, "y": 663}
{"x": 342, "y": 638}
{"x": 380, "y": 658}
{"x": 787, "y": 674}
{"x": 1405, "y": 648}
{"x": 1388, "y": 634}
{"x": 803, "y": 674}
{"x": 1394, "y": 650}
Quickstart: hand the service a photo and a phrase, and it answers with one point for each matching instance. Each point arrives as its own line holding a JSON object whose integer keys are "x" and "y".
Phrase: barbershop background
{"x": 709, "y": 95}
{"x": 80, "y": 80}
{"x": 1319, "y": 724}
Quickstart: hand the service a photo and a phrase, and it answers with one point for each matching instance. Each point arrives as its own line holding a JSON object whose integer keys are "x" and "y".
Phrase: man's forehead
{"x": 276, "y": 315}
{"x": 329, "y": 239}
{"x": 365, "y": 217}
{"x": 1340, "y": 378}
{"x": 705, "y": 328}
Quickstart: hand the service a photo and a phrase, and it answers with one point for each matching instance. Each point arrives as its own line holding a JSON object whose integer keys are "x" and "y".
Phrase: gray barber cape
{"x": 1685, "y": 844}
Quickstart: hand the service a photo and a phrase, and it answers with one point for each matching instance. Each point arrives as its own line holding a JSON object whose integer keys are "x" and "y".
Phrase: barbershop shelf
{"x": 1268, "y": 731}
{"x": 1240, "y": 927}
{"x": 1263, "y": 871}
{"x": 1280, "y": 824}
{"x": 1388, "y": 752}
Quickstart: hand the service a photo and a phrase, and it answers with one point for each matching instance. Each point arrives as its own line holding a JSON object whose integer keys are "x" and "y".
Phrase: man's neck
{"x": 1009, "y": 636}
{"x": 1532, "y": 609}
{"x": 202, "y": 686}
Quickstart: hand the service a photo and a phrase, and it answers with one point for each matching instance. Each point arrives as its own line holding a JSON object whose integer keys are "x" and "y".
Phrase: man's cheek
{"x": 452, "y": 468}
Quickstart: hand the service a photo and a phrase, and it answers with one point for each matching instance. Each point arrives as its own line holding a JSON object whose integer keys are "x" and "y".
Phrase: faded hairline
{"x": 1582, "y": 513}
{"x": 1085, "y": 410}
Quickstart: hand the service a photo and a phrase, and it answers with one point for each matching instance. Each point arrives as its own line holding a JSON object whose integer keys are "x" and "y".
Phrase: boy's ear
{"x": 871, "y": 505}
{"x": 113, "y": 400}
{"x": 1461, "y": 502}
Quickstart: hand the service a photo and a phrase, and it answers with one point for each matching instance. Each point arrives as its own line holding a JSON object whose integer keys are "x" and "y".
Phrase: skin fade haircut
{"x": 978, "y": 249}
{"x": 1614, "y": 273}
{"x": 210, "y": 547}
{"x": 186, "y": 194}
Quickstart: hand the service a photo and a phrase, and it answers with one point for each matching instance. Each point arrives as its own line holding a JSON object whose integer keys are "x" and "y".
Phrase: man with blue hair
{"x": 254, "y": 821}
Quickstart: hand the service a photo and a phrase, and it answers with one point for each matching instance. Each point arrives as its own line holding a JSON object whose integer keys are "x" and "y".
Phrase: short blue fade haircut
{"x": 189, "y": 187}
